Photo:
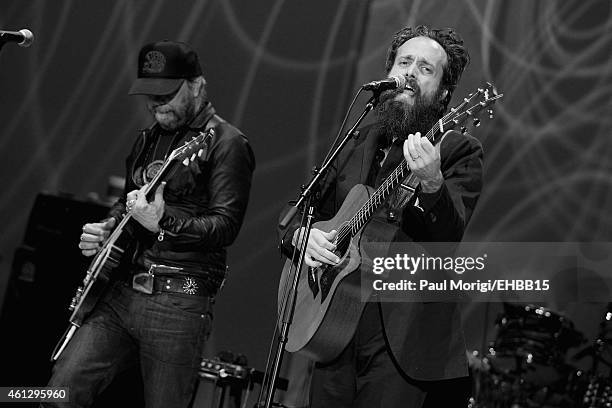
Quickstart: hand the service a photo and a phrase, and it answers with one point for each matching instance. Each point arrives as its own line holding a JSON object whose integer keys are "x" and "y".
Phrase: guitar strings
{"x": 110, "y": 241}
{"x": 363, "y": 214}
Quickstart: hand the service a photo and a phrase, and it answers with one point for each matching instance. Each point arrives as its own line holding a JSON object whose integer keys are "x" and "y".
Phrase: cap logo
{"x": 155, "y": 62}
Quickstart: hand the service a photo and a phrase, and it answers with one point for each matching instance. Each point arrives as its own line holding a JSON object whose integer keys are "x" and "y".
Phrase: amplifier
{"x": 228, "y": 385}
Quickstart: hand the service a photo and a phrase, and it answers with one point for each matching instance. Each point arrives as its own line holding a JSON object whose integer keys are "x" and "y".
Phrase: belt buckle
{"x": 143, "y": 282}
{"x": 190, "y": 286}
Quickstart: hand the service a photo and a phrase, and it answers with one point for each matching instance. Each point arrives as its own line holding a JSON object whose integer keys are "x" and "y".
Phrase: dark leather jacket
{"x": 205, "y": 203}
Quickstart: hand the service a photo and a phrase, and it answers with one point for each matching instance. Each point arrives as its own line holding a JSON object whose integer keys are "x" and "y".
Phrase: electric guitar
{"x": 328, "y": 301}
{"x": 107, "y": 259}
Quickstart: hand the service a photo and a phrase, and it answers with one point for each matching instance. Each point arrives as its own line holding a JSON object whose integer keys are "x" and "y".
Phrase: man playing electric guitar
{"x": 404, "y": 354}
{"x": 157, "y": 308}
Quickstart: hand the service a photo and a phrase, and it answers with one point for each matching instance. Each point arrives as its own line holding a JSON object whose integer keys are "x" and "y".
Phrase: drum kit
{"x": 526, "y": 366}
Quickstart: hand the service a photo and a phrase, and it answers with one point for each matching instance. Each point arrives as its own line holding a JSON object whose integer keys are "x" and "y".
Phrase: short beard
{"x": 396, "y": 119}
{"x": 179, "y": 116}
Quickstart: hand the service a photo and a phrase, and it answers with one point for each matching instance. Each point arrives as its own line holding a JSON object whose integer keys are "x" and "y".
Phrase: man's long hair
{"x": 457, "y": 56}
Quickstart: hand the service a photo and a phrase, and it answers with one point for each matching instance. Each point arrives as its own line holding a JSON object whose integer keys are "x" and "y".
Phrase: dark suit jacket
{"x": 425, "y": 338}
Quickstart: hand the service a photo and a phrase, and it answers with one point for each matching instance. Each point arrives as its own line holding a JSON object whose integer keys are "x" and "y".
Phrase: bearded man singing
{"x": 405, "y": 355}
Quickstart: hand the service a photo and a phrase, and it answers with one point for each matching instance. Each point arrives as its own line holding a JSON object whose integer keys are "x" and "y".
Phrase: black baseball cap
{"x": 163, "y": 66}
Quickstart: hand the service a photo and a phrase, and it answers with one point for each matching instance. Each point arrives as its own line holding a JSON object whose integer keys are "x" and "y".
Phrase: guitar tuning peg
{"x": 463, "y": 130}
{"x": 186, "y": 161}
{"x": 493, "y": 89}
{"x": 490, "y": 111}
{"x": 476, "y": 122}
{"x": 468, "y": 112}
{"x": 193, "y": 156}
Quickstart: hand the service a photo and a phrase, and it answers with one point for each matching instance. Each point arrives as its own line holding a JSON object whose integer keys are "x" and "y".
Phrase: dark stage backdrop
{"x": 548, "y": 165}
{"x": 283, "y": 72}
{"x": 278, "y": 70}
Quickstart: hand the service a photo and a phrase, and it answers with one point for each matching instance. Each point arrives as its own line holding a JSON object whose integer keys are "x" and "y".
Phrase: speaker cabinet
{"x": 46, "y": 270}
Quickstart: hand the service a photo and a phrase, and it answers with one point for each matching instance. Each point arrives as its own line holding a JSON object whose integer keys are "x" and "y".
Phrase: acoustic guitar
{"x": 328, "y": 301}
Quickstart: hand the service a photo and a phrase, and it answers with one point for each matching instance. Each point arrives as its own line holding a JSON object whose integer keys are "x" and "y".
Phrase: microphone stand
{"x": 307, "y": 199}
{"x": 319, "y": 173}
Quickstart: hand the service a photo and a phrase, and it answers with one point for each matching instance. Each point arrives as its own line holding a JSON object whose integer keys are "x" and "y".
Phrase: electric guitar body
{"x": 99, "y": 272}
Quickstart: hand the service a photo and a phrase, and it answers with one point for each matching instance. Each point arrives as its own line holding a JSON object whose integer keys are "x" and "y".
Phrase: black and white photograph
{"x": 306, "y": 204}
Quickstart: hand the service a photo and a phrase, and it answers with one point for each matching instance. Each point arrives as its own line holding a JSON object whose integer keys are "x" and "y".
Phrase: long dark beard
{"x": 396, "y": 119}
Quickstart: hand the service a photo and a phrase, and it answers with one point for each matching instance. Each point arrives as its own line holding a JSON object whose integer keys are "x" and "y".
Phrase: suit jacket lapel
{"x": 369, "y": 149}
{"x": 355, "y": 161}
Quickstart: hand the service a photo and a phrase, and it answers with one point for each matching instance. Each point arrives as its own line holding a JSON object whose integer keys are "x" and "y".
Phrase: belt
{"x": 189, "y": 285}
{"x": 158, "y": 279}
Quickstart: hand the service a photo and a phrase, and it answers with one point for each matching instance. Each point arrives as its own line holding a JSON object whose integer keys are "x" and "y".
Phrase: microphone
{"x": 23, "y": 38}
{"x": 394, "y": 82}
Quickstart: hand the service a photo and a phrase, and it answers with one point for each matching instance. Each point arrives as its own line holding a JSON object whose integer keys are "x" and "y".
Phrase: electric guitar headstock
{"x": 196, "y": 147}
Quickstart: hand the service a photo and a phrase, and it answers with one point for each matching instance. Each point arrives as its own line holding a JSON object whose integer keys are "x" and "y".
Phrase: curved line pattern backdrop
{"x": 547, "y": 152}
{"x": 68, "y": 122}
{"x": 283, "y": 71}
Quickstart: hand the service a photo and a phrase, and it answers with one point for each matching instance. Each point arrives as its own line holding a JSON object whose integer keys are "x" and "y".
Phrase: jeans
{"x": 164, "y": 333}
